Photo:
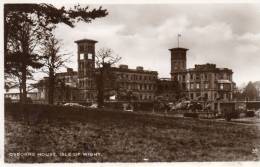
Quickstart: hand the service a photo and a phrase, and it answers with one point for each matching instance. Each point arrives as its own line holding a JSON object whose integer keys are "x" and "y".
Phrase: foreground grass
{"x": 125, "y": 137}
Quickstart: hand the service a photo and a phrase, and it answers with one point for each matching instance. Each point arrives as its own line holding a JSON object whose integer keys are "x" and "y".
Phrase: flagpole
{"x": 178, "y": 37}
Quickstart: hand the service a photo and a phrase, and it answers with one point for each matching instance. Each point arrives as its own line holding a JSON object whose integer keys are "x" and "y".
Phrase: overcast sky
{"x": 225, "y": 34}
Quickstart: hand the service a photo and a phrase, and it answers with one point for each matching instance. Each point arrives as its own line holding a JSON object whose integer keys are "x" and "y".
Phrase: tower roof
{"x": 86, "y": 40}
{"x": 176, "y": 49}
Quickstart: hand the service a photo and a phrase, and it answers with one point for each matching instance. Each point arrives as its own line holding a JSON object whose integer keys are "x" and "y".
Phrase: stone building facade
{"x": 86, "y": 69}
{"x": 142, "y": 83}
{"x": 204, "y": 82}
{"x": 66, "y": 87}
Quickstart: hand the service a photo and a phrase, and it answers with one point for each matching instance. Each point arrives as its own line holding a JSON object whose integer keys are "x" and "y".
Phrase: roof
{"x": 224, "y": 81}
{"x": 208, "y": 67}
{"x": 86, "y": 40}
{"x": 127, "y": 70}
{"x": 175, "y": 49}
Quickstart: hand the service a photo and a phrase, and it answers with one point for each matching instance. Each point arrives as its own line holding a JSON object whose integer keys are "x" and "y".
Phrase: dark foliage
{"x": 27, "y": 26}
{"x": 192, "y": 115}
{"x": 250, "y": 113}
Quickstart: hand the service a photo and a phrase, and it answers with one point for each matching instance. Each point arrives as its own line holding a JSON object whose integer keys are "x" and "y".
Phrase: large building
{"x": 205, "y": 82}
{"x": 142, "y": 83}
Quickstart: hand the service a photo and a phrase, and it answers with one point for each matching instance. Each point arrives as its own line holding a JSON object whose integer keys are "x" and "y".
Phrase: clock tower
{"x": 178, "y": 61}
{"x": 86, "y": 68}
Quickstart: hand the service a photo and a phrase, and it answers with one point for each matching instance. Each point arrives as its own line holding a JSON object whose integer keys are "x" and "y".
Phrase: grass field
{"x": 123, "y": 137}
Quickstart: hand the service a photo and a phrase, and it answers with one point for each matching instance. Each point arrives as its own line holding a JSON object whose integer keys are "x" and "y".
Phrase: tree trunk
{"x": 20, "y": 90}
{"x": 51, "y": 87}
{"x": 101, "y": 88}
{"x": 23, "y": 99}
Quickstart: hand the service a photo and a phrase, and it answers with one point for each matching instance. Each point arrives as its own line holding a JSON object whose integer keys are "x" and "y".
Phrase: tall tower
{"x": 86, "y": 69}
{"x": 178, "y": 61}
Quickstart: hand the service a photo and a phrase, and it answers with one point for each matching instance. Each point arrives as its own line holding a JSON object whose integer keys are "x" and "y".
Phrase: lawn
{"x": 51, "y": 134}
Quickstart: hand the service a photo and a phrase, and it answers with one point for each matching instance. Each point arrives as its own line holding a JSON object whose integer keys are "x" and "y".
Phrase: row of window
{"x": 86, "y": 84}
{"x": 224, "y": 96}
{"x": 206, "y": 86}
{"x": 83, "y": 56}
{"x": 146, "y": 97}
{"x": 197, "y": 86}
{"x": 150, "y": 87}
{"x": 135, "y": 77}
{"x": 203, "y": 76}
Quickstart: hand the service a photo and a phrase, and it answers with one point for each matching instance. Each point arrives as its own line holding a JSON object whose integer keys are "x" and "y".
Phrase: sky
{"x": 227, "y": 35}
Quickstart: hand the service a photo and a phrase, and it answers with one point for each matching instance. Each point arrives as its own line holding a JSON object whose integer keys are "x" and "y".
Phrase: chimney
{"x": 139, "y": 68}
{"x": 123, "y": 66}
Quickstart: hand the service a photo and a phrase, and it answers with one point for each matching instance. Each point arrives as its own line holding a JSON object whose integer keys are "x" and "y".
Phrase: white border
{"x": 179, "y": 164}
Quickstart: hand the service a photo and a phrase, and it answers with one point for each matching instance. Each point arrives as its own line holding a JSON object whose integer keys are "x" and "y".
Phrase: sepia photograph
{"x": 131, "y": 82}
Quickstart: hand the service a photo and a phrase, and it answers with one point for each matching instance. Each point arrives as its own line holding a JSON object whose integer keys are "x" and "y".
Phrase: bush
{"x": 193, "y": 115}
{"x": 233, "y": 114}
{"x": 250, "y": 113}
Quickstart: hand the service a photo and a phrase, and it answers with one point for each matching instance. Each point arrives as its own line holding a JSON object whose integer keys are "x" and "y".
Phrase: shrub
{"x": 193, "y": 115}
{"x": 250, "y": 113}
{"x": 233, "y": 114}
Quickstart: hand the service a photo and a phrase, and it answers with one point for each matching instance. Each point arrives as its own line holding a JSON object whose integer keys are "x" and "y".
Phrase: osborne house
{"x": 204, "y": 82}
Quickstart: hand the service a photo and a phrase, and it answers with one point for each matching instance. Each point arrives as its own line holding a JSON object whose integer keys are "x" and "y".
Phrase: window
{"x": 89, "y": 56}
{"x": 191, "y": 96}
{"x": 225, "y": 96}
{"x": 81, "y": 56}
{"x": 221, "y": 86}
{"x": 191, "y": 86}
{"x": 193, "y": 76}
{"x": 206, "y": 85}
{"x": 197, "y": 76}
{"x": 197, "y": 85}
{"x": 188, "y": 86}
{"x": 206, "y": 76}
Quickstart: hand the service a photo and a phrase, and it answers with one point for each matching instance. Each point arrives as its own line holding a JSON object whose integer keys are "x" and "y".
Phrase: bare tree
{"x": 53, "y": 60}
{"x": 105, "y": 58}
